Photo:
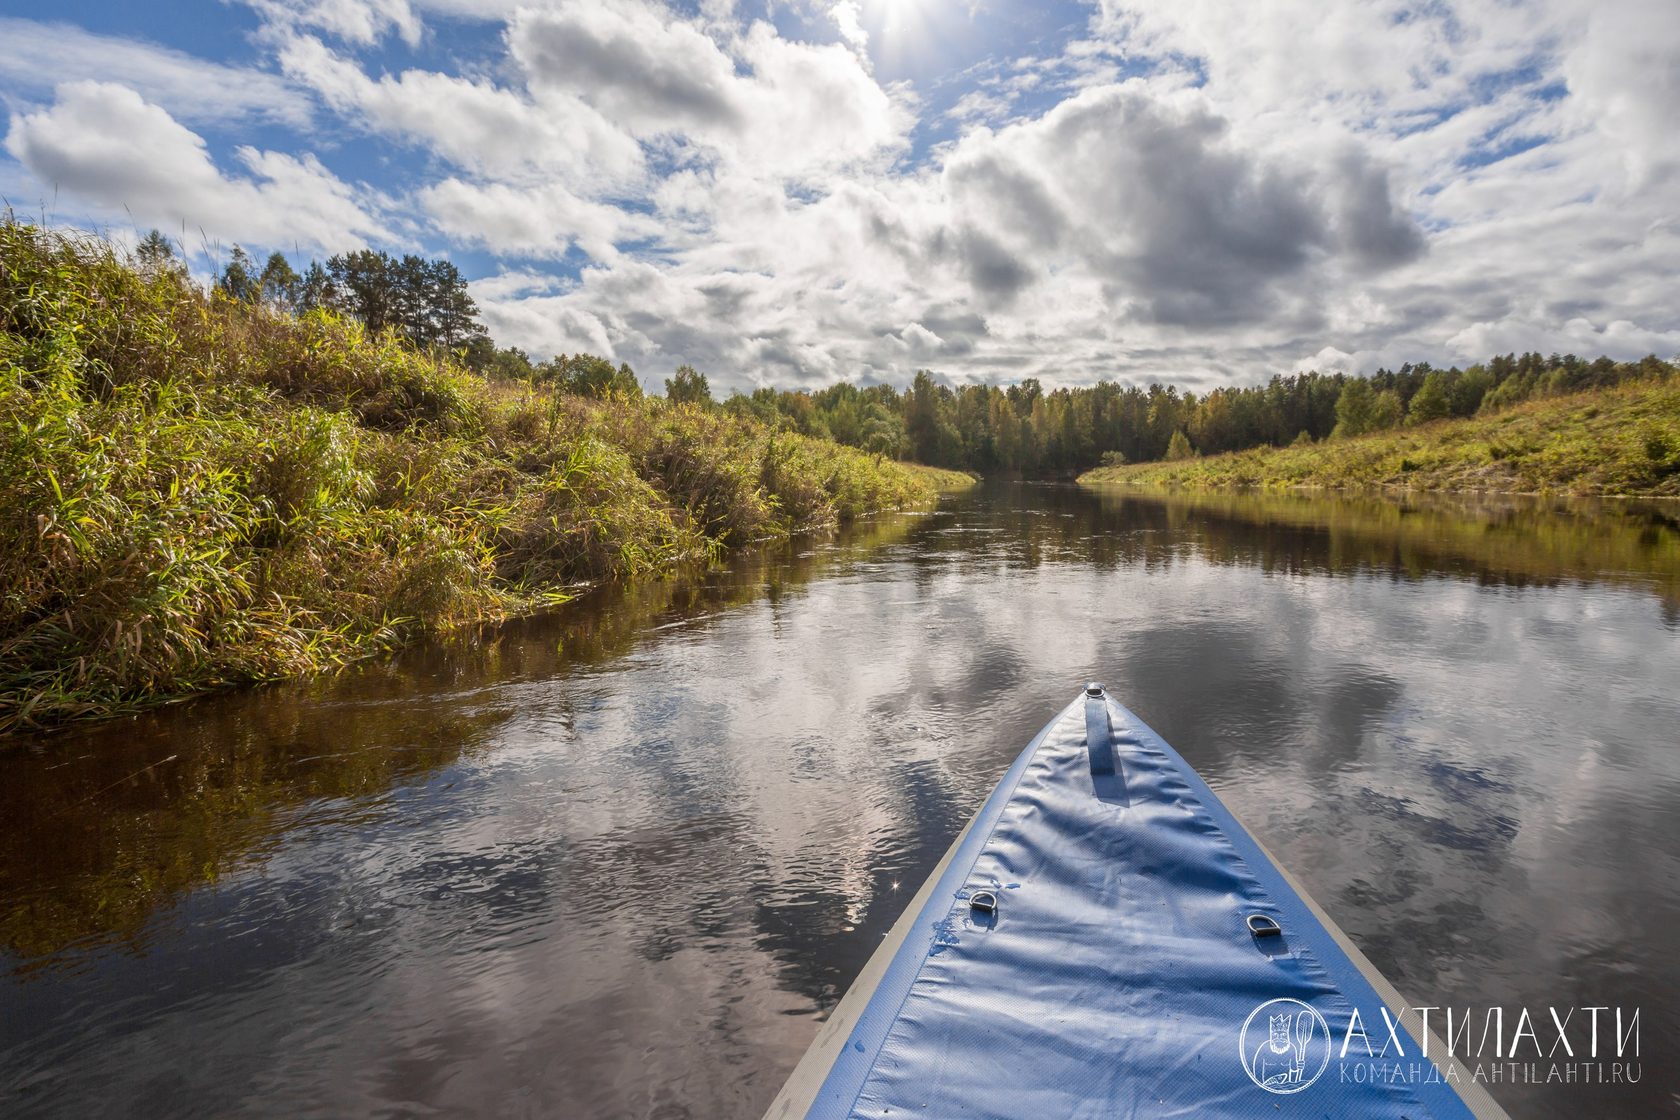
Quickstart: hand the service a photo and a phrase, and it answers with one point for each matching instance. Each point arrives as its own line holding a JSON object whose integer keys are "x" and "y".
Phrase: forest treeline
{"x": 1027, "y": 430}
{"x": 424, "y": 301}
{"x": 1019, "y": 429}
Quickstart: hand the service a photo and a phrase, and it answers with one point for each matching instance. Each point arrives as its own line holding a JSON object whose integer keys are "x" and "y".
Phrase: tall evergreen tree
{"x": 452, "y": 312}
{"x": 155, "y": 255}
{"x": 366, "y": 287}
{"x": 316, "y": 289}
{"x": 279, "y": 282}
{"x": 240, "y": 279}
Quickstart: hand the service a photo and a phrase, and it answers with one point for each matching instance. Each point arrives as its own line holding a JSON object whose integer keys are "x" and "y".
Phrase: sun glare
{"x": 901, "y": 31}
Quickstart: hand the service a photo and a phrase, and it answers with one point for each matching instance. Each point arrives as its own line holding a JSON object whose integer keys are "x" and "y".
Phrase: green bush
{"x": 196, "y": 491}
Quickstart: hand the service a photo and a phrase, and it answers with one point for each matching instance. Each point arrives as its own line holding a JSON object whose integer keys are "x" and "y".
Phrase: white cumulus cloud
{"x": 1169, "y": 191}
{"x": 106, "y": 144}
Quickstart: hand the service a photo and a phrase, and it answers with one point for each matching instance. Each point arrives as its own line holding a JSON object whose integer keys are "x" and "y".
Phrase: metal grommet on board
{"x": 1260, "y": 925}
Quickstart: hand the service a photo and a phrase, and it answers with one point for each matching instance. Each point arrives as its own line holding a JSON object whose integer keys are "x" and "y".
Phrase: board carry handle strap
{"x": 1099, "y": 734}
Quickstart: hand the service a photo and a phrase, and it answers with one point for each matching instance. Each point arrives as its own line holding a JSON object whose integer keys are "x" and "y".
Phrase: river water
{"x": 619, "y": 861}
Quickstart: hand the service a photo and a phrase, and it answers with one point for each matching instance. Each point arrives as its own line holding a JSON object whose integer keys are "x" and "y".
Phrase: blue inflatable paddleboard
{"x": 1106, "y": 940}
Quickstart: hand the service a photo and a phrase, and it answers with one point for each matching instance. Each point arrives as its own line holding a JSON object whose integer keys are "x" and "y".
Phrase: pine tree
{"x": 316, "y": 289}
{"x": 155, "y": 255}
{"x": 451, "y": 310}
{"x": 278, "y": 284}
{"x": 365, "y": 287}
{"x": 239, "y": 279}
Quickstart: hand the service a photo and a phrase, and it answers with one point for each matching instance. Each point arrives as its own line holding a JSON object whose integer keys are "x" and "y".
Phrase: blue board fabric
{"x": 1118, "y": 975}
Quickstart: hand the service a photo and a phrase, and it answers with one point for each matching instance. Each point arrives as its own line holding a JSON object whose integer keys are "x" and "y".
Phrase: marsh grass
{"x": 197, "y": 493}
{"x": 1619, "y": 440}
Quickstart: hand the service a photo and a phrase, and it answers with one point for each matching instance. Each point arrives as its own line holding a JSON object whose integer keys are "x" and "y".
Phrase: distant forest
{"x": 1019, "y": 429}
{"x": 1024, "y": 429}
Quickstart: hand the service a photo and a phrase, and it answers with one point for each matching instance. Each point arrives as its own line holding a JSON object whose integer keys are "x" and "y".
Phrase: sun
{"x": 893, "y": 15}
{"x": 901, "y": 32}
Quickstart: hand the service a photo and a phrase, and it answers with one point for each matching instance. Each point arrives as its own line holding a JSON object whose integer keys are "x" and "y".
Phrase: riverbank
{"x": 202, "y": 493}
{"x": 1623, "y": 440}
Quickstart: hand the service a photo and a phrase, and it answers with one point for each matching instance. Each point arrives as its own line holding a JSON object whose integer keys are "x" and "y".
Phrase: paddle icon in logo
{"x": 1284, "y": 1046}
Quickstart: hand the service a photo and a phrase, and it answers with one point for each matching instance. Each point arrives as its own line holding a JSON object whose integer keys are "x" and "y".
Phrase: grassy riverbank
{"x": 1623, "y": 440}
{"x": 227, "y": 782}
{"x": 199, "y": 492}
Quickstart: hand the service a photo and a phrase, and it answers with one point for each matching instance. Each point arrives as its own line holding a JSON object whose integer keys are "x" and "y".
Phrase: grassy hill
{"x": 1620, "y": 440}
{"x": 197, "y": 492}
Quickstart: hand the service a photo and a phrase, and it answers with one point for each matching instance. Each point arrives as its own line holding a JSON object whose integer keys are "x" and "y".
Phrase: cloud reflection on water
{"x": 618, "y": 862}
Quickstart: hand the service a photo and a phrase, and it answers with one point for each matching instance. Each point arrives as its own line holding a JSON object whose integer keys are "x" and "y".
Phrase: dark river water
{"x": 620, "y": 861}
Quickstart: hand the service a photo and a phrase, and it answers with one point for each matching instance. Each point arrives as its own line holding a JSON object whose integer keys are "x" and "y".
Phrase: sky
{"x": 791, "y": 194}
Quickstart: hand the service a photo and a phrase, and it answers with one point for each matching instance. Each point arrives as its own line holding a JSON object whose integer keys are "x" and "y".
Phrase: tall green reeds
{"x": 196, "y": 492}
